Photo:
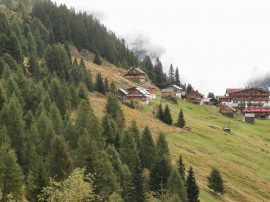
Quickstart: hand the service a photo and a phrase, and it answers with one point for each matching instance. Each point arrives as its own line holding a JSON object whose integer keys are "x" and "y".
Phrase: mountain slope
{"x": 242, "y": 155}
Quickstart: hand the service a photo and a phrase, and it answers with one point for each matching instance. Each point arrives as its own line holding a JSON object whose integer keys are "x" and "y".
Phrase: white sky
{"x": 216, "y": 44}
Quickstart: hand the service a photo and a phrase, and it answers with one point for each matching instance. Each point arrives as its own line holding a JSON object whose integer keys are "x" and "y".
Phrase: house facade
{"x": 228, "y": 111}
{"x": 168, "y": 93}
{"x": 195, "y": 97}
{"x": 246, "y": 98}
{"x": 136, "y": 74}
{"x": 178, "y": 91}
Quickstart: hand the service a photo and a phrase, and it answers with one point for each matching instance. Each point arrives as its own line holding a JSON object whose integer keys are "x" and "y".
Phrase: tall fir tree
{"x": 147, "y": 149}
{"x": 160, "y": 113}
{"x": 181, "y": 121}
{"x": 177, "y": 77}
{"x": 192, "y": 187}
{"x": 181, "y": 168}
{"x": 215, "y": 181}
{"x": 130, "y": 156}
{"x": 171, "y": 75}
{"x": 99, "y": 85}
{"x": 167, "y": 116}
{"x": 97, "y": 59}
{"x": 176, "y": 185}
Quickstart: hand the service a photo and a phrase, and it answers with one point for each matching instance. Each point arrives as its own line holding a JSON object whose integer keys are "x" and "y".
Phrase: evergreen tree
{"x": 108, "y": 131}
{"x": 113, "y": 88}
{"x": 167, "y": 116}
{"x": 177, "y": 77}
{"x": 171, "y": 75}
{"x": 176, "y": 185}
{"x": 211, "y": 95}
{"x": 97, "y": 59}
{"x": 11, "y": 177}
{"x": 162, "y": 147}
{"x": 134, "y": 131}
{"x": 56, "y": 119}
{"x": 60, "y": 161}
{"x": 160, "y": 80}
{"x": 215, "y": 181}
{"x": 192, "y": 187}
{"x": 181, "y": 121}
{"x": 148, "y": 66}
{"x": 12, "y": 117}
{"x": 181, "y": 168}
{"x": 130, "y": 156}
{"x": 147, "y": 149}
{"x": 189, "y": 88}
{"x": 99, "y": 85}
{"x": 160, "y": 113}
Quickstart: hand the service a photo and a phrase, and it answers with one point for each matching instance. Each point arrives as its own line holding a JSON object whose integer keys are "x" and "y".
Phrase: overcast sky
{"x": 216, "y": 44}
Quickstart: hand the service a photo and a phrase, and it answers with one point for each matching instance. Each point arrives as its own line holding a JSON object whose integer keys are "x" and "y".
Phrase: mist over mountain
{"x": 263, "y": 82}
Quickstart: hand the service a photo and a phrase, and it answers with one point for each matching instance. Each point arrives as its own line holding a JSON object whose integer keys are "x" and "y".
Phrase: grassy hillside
{"x": 242, "y": 155}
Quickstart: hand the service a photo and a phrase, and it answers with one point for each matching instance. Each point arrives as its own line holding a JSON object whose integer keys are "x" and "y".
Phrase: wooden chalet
{"x": 136, "y": 74}
{"x": 177, "y": 90}
{"x": 224, "y": 99}
{"x": 228, "y": 111}
{"x": 168, "y": 93}
{"x": 249, "y": 118}
{"x": 134, "y": 93}
{"x": 195, "y": 97}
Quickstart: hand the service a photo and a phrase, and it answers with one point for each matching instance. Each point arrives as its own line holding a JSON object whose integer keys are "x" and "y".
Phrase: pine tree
{"x": 97, "y": 59}
{"x": 113, "y": 88}
{"x": 181, "y": 168}
{"x": 177, "y": 77}
{"x": 134, "y": 131}
{"x": 181, "y": 121}
{"x": 11, "y": 177}
{"x": 106, "y": 85}
{"x": 189, "y": 88}
{"x": 108, "y": 131}
{"x": 176, "y": 185}
{"x": 167, "y": 116}
{"x": 99, "y": 85}
{"x": 162, "y": 147}
{"x": 215, "y": 181}
{"x": 147, "y": 149}
{"x": 192, "y": 187}
{"x": 60, "y": 161}
{"x": 130, "y": 156}
{"x": 160, "y": 113}
{"x": 160, "y": 77}
{"x": 171, "y": 75}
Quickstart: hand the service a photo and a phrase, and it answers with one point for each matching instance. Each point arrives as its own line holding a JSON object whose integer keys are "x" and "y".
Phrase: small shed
{"x": 195, "y": 97}
{"x": 228, "y": 111}
{"x": 168, "y": 93}
{"x": 249, "y": 118}
{"x": 122, "y": 94}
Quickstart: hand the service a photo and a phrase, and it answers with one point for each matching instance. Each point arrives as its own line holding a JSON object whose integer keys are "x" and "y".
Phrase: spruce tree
{"x": 59, "y": 160}
{"x": 130, "y": 156}
{"x": 181, "y": 121}
{"x": 99, "y": 85}
{"x": 113, "y": 88}
{"x": 147, "y": 149}
{"x": 177, "y": 77}
{"x": 176, "y": 185}
{"x": 167, "y": 116}
{"x": 11, "y": 177}
{"x": 162, "y": 147}
{"x": 108, "y": 131}
{"x": 171, "y": 75}
{"x": 134, "y": 131}
{"x": 97, "y": 59}
{"x": 215, "y": 181}
{"x": 160, "y": 113}
{"x": 192, "y": 187}
{"x": 181, "y": 168}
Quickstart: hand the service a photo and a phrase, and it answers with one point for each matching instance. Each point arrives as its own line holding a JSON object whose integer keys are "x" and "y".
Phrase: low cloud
{"x": 260, "y": 81}
{"x": 142, "y": 45}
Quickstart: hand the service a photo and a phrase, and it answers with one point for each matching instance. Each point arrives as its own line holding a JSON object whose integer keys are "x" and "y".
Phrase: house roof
{"x": 123, "y": 91}
{"x": 223, "y": 106}
{"x": 167, "y": 90}
{"x": 197, "y": 92}
{"x": 233, "y": 90}
{"x": 177, "y": 87}
{"x": 139, "y": 70}
{"x": 143, "y": 91}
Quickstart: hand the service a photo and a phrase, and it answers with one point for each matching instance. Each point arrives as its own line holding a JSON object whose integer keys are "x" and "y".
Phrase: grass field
{"x": 242, "y": 156}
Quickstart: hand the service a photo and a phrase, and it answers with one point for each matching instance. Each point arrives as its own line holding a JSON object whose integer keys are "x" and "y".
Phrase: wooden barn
{"x": 228, "y": 111}
{"x": 136, "y": 74}
{"x": 168, "y": 93}
{"x": 249, "y": 118}
{"x": 194, "y": 97}
{"x": 177, "y": 90}
{"x": 150, "y": 88}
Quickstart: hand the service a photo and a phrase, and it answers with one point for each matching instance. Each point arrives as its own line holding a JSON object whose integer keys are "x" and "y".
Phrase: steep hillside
{"x": 242, "y": 155}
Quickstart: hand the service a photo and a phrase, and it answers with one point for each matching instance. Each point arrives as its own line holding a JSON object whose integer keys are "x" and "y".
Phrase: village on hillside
{"x": 251, "y": 102}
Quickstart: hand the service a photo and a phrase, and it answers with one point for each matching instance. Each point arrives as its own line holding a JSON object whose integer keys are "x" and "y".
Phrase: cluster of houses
{"x": 145, "y": 91}
{"x": 253, "y": 102}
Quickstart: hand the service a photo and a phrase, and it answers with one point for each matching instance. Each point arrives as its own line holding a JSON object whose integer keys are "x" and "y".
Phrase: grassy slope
{"x": 242, "y": 156}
